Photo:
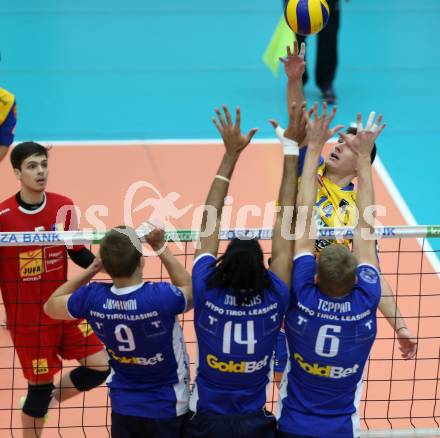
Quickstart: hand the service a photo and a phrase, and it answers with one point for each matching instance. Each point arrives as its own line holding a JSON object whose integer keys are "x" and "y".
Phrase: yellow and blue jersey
{"x": 335, "y": 206}
{"x": 8, "y": 117}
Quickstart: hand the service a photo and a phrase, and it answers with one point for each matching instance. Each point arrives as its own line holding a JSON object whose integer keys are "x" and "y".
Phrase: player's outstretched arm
{"x": 365, "y": 250}
{"x": 318, "y": 133}
{"x": 364, "y": 242}
{"x": 179, "y": 276}
{"x": 389, "y": 308}
{"x": 294, "y": 67}
{"x": 56, "y": 306}
{"x": 234, "y": 142}
{"x": 282, "y": 242}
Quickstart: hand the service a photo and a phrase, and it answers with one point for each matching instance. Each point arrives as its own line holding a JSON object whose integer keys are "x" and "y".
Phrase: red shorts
{"x": 40, "y": 351}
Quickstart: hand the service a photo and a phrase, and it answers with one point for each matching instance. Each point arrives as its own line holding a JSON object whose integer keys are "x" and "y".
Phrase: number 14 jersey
{"x": 235, "y": 344}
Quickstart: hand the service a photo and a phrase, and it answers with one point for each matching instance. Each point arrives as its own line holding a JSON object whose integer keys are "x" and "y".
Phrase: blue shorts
{"x": 281, "y": 356}
{"x": 255, "y": 425}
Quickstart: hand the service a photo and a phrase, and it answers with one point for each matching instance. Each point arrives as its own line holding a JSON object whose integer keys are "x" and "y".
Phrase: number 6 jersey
{"x": 329, "y": 342}
{"x": 235, "y": 344}
{"x": 139, "y": 327}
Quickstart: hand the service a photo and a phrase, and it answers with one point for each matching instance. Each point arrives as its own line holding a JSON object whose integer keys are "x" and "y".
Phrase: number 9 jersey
{"x": 235, "y": 344}
{"x": 139, "y": 327}
{"x": 329, "y": 342}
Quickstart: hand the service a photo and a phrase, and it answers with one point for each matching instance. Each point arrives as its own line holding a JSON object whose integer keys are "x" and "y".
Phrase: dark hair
{"x": 241, "y": 269}
{"x": 24, "y": 150}
{"x": 353, "y": 130}
{"x": 119, "y": 255}
{"x": 336, "y": 270}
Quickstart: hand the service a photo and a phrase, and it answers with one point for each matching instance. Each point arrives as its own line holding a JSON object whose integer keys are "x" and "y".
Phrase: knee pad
{"x": 37, "y": 400}
{"x": 85, "y": 379}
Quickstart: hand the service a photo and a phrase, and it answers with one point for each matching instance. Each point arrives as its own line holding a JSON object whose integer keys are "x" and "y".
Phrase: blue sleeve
{"x": 172, "y": 298}
{"x": 281, "y": 288}
{"x": 203, "y": 269}
{"x": 304, "y": 271}
{"x": 78, "y": 303}
{"x": 368, "y": 279}
{"x": 302, "y": 158}
{"x": 7, "y": 129}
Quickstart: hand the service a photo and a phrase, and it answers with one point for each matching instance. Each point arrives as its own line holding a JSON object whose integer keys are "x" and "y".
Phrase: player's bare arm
{"x": 388, "y": 305}
{"x": 56, "y": 306}
{"x": 364, "y": 244}
{"x": 390, "y": 310}
{"x": 282, "y": 246}
{"x": 179, "y": 276}
{"x": 235, "y": 142}
{"x": 318, "y": 133}
{"x": 294, "y": 67}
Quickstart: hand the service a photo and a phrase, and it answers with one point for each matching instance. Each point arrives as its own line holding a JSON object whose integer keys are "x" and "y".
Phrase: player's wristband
{"x": 290, "y": 146}
{"x": 403, "y": 327}
{"x": 223, "y": 178}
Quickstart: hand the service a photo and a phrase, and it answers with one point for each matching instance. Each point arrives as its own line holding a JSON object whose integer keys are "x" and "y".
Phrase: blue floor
{"x": 95, "y": 69}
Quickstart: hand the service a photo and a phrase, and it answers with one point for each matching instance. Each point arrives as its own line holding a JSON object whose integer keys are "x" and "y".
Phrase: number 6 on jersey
{"x": 324, "y": 337}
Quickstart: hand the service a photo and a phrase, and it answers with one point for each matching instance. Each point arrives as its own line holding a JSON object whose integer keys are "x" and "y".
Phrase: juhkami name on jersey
{"x": 30, "y": 238}
{"x": 112, "y": 304}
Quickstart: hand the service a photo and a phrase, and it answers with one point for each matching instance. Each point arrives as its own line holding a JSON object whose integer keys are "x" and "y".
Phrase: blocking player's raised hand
{"x": 232, "y": 136}
{"x": 318, "y": 126}
{"x": 364, "y": 242}
{"x": 294, "y": 64}
{"x": 234, "y": 142}
{"x": 363, "y": 142}
{"x": 297, "y": 128}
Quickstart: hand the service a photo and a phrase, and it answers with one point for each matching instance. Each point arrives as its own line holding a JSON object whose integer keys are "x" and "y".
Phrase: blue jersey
{"x": 235, "y": 344}
{"x": 329, "y": 342}
{"x": 139, "y": 327}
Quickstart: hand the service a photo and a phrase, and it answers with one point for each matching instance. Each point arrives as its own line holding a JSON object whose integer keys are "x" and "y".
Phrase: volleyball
{"x": 306, "y": 17}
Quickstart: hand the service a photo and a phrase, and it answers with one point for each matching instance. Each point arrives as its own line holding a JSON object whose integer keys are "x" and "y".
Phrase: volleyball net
{"x": 400, "y": 398}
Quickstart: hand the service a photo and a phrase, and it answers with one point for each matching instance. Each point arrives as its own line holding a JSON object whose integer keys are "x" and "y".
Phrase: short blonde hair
{"x": 336, "y": 270}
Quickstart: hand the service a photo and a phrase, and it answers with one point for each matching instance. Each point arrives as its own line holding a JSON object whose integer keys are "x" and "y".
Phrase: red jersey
{"x": 30, "y": 274}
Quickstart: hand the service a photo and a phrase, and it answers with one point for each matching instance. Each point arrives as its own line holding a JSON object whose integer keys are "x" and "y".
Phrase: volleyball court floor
{"x": 98, "y": 178}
